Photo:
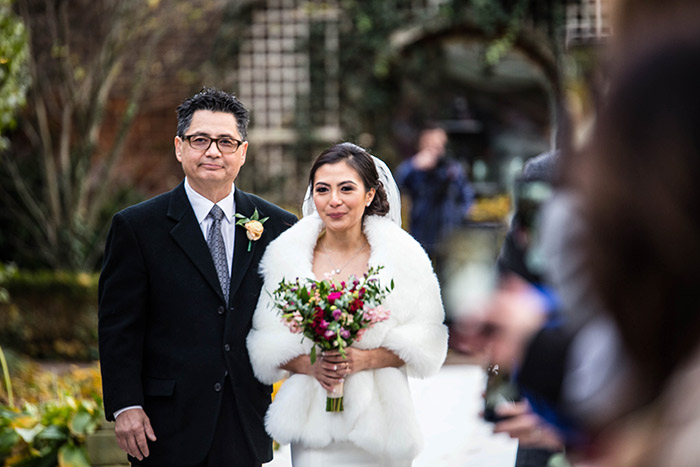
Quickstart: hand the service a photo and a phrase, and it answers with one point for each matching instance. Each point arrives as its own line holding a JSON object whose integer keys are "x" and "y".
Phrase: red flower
{"x": 356, "y": 305}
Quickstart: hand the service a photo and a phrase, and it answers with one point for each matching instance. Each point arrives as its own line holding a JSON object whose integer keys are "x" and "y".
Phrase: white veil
{"x": 390, "y": 186}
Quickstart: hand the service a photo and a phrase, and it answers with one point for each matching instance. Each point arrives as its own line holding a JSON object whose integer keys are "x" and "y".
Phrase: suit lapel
{"x": 241, "y": 256}
{"x": 188, "y": 235}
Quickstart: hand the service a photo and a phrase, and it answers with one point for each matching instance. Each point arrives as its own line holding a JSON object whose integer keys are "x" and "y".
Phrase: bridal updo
{"x": 362, "y": 162}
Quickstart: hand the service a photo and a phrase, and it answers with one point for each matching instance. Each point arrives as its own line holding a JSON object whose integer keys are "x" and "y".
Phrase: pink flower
{"x": 337, "y": 313}
{"x": 378, "y": 314}
{"x": 344, "y": 333}
{"x": 333, "y": 296}
{"x": 329, "y": 335}
{"x": 293, "y": 322}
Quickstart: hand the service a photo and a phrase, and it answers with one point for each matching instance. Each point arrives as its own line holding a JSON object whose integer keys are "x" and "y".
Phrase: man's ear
{"x": 244, "y": 151}
{"x": 178, "y": 148}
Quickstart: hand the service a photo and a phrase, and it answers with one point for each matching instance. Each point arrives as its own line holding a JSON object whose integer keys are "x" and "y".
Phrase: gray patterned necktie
{"x": 218, "y": 252}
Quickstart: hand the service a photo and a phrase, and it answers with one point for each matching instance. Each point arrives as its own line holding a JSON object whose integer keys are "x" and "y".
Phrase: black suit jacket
{"x": 167, "y": 338}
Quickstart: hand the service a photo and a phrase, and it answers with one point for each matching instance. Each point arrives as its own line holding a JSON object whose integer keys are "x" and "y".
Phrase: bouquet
{"x": 332, "y": 315}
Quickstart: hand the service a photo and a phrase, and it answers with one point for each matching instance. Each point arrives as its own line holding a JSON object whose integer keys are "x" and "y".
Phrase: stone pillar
{"x": 103, "y": 450}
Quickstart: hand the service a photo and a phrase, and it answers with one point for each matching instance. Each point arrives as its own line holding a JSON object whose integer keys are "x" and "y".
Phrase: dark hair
{"x": 362, "y": 162}
{"x": 214, "y": 100}
{"x": 642, "y": 205}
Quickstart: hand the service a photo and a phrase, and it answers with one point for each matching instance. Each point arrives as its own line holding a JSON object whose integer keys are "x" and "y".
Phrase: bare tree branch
{"x": 85, "y": 57}
{"x": 128, "y": 118}
{"x": 37, "y": 215}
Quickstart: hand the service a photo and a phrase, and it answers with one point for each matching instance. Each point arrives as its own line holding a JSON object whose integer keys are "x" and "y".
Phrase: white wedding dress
{"x": 340, "y": 454}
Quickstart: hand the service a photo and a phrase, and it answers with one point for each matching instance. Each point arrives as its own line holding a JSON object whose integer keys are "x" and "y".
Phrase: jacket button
{"x": 217, "y": 387}
{"x": 227, "y": 347}
{"x": 221, "y": 310}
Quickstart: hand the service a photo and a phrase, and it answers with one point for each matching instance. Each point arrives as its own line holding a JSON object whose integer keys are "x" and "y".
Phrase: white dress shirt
{"x": 201, "y": 207}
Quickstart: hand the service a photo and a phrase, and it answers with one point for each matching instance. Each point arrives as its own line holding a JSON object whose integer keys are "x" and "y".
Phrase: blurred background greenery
{"x": 88, "y": 91}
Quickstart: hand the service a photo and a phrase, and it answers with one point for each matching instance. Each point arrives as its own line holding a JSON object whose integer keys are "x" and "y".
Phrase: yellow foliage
{"x": 25, "y": 422}
{"x": 35, "y": 384}
{"x": 276, "y": 387}
{"x": 493, "y": 209}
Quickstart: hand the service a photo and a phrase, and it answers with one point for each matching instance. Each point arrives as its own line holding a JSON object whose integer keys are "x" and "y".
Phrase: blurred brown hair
{"x": 640, "y": 179}
{"x": 641, "y": 24}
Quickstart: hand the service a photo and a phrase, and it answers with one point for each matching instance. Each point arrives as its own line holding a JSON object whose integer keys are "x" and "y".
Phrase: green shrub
{"x": 56, "y": 411}
{"x": 51, "y": 314}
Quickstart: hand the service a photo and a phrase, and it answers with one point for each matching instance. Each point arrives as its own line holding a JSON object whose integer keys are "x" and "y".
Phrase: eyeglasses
{"x": 202, "y": 143}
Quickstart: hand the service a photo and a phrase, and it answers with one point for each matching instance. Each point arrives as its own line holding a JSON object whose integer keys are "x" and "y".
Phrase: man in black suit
{"x": 178, "y": 289}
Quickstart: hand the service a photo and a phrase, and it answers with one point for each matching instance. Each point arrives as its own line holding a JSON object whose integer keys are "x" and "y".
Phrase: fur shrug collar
{"x": 292, "y": 252}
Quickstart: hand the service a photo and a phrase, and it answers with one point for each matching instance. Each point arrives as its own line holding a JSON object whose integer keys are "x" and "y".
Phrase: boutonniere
{"x": 253, "y": 226}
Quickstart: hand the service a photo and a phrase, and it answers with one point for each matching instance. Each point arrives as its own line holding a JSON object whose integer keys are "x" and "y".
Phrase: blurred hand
{"x": 528, "y": 428}
{"x": 133, "y": 428}
{"x": 515, "y": 312}
{"x": 426, "y": 159}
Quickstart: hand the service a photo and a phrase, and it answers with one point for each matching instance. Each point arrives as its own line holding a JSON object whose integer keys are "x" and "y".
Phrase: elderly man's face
{"x": 211, "y": 169}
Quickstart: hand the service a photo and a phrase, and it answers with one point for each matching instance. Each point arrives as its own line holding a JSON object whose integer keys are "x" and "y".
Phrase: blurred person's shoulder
{"x": 541, "y": 167}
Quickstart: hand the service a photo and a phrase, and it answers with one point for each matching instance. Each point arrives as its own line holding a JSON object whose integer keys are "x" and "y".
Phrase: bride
{"x": 351, "y": 222}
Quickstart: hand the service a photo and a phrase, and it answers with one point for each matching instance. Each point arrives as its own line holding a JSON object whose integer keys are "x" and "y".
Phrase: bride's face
{"x": 340, "y": 196}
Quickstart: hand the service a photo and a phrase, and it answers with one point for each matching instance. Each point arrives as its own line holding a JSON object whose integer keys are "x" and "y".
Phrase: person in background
{"x": 438, "y": 188}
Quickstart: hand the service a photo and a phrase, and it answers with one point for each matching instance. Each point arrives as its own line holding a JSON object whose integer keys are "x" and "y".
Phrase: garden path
{"x": 448, "y": 408}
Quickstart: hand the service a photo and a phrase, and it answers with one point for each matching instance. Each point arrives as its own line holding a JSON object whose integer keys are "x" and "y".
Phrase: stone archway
{"x": 497, "y": 116}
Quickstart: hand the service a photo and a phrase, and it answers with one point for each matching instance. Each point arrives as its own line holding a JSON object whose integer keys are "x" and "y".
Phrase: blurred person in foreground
{"x": 438, "y": 188}
{"x": 640, "y": 202}
{"x": 520, "y": 264}
{"x": 176, "y": 297}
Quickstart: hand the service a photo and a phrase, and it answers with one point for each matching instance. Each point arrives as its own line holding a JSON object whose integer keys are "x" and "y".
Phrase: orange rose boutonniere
{"x": 253, "y": 226}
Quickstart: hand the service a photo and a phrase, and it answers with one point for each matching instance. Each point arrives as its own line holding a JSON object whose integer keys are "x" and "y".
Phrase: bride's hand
{"x": 328, "y": 374}
{"x": 355, "y": 360}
